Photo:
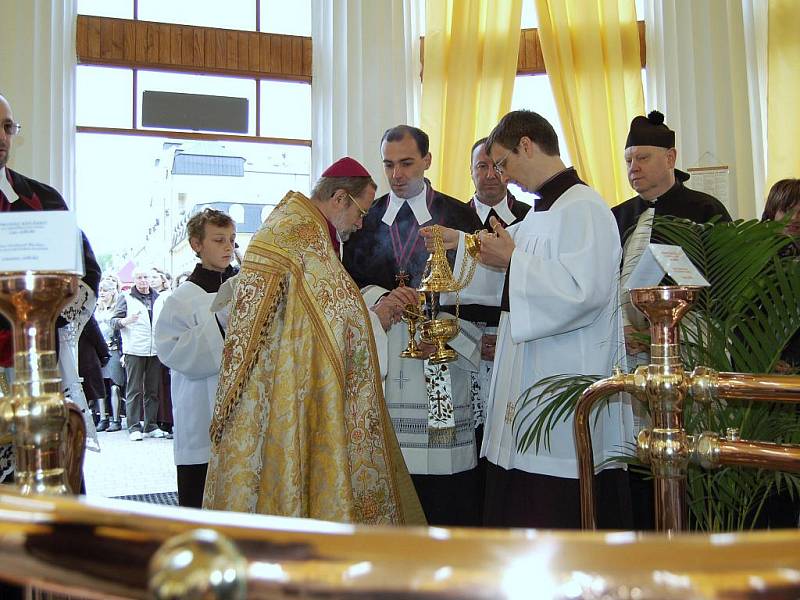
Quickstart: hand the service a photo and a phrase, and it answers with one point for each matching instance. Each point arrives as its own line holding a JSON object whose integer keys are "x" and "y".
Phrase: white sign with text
{"x": 40, "y": 241}
{"x": 659, "y": 260}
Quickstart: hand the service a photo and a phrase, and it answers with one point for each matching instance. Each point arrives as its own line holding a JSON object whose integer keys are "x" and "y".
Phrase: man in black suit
{"x": 650, "y": 155}
{"x": 491, "y": 199}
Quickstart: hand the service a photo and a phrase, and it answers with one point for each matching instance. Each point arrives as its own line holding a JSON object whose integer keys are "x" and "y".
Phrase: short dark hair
{"x": 327, "y": 186}
{"x": 783, "y": 196}
{"x": 475, "y": 145}
{"x": 524, "y": 123}
{"x": 399, "y": 132}
{"x": 196, "y": 227}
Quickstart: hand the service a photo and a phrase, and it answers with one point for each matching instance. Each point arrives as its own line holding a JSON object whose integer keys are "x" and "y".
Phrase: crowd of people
{"x": 282, "y": 380}
{"x": 120, "y": 370}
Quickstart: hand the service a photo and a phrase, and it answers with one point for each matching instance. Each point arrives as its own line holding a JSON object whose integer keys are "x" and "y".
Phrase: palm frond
{"x": 730, "y": 256}
{"x": 545, "y": 404}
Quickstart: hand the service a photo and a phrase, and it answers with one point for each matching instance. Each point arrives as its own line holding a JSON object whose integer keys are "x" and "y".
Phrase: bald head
{"x": 7, "y": 120}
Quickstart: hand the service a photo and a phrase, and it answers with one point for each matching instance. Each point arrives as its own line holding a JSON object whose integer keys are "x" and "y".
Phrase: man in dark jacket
{"x": 19, "y": 193}
{"x": 650, "y": 155}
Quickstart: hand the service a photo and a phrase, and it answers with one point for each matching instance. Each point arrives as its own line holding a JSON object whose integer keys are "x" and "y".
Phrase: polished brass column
{"x": 35, "y": 414}
{"x": 665, "y": 392}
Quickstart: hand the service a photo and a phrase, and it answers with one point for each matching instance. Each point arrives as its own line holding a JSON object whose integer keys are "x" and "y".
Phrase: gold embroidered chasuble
{"x": 300, "y": 425}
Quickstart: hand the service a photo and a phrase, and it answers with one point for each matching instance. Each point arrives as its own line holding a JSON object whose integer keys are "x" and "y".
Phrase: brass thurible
{"x": 436, "y": 279}
{"x": 35, "y": 413}
{"x": 664, "y": 385}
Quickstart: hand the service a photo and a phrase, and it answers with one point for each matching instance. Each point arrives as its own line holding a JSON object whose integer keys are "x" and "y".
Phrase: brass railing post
{"x": 35, "y": 413}
{"x": 665, "y": 392}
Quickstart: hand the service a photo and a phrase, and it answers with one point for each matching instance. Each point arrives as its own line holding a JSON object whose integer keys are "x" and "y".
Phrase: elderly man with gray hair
{"x": 134, "y": 319}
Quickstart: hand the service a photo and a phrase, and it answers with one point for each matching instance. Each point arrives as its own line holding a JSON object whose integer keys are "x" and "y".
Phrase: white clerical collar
{"x": 5, "y": 187}
{"x": 418, "y": 204}
{"x": 501, "y": 208}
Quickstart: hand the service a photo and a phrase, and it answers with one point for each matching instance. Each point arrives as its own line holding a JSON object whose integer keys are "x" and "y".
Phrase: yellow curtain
{"x": 470, "y": 57}
{"x": 591, "y": 51}
{"x": 783, "y": 91}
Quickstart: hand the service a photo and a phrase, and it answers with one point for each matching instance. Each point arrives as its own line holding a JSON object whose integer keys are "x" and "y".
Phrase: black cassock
{"x": 678, "y": 201}
{"x": 33, "y": 196}
{"x": 685, "y": 203}
{"x": 375, "y": 254}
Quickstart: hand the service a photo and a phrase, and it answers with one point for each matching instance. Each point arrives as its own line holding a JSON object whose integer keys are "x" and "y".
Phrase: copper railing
{"x": 664, "y": 385}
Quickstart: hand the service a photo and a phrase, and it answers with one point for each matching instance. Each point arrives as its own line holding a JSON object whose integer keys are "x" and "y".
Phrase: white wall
{"x": 37, "y": 76}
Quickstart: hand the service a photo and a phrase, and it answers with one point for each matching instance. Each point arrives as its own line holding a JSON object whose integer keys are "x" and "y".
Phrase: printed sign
{"x": 659, "y": 260}
{"x": 40, "y": 241}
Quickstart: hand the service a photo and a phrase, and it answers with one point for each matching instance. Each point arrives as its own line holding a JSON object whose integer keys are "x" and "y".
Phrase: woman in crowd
{"x": 93, "y": 356}
{"x": 783, "y": 202}
{"x": 113, "y": 372}
{"x": 161, "y": 282}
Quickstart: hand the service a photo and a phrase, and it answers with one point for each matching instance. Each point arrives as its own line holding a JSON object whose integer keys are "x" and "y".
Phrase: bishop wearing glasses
{"x": 300, "y": 427}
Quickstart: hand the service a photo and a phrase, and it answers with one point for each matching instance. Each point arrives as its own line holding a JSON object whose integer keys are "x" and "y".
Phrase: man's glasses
{"x": 500, "y": 165}
{"x": 363, "y": 212}
{"x": 11, "y": 128}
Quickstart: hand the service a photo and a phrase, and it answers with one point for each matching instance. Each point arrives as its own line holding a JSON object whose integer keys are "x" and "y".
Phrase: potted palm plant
{"x": 741, "y": 322}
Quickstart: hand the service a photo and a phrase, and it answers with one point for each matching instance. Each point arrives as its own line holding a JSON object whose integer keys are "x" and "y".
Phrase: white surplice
{"x": 564, "y": 319}
{"x": 406, "y": 396}
{"x": 189, "y": 341}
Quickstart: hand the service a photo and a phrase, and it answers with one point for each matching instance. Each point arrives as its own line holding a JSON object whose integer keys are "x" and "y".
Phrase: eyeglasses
{"x": 500, "y": 165}
{"x": 11, "y": 128}
{"x": 361, "y": 211}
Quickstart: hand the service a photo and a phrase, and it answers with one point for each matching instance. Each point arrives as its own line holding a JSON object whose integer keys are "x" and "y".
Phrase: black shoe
{"x": 102, "y": 425}
{"x": 114, "y": 426}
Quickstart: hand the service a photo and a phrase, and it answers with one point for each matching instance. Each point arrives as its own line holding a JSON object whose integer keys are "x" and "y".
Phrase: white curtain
{"x": 366, "y": 78}
{"x": 706, "y": 69}
{"x": 37, "y": 53}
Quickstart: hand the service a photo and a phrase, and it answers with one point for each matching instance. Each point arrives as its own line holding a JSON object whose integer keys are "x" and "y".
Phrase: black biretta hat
{"x": 650, "y": 131}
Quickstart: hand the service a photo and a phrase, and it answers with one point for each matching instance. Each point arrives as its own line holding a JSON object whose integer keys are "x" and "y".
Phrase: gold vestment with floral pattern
{"x": 300, "y": 425}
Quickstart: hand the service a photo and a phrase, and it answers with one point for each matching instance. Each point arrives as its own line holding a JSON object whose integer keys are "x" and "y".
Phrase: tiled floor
{"x": 124, "y": 468}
